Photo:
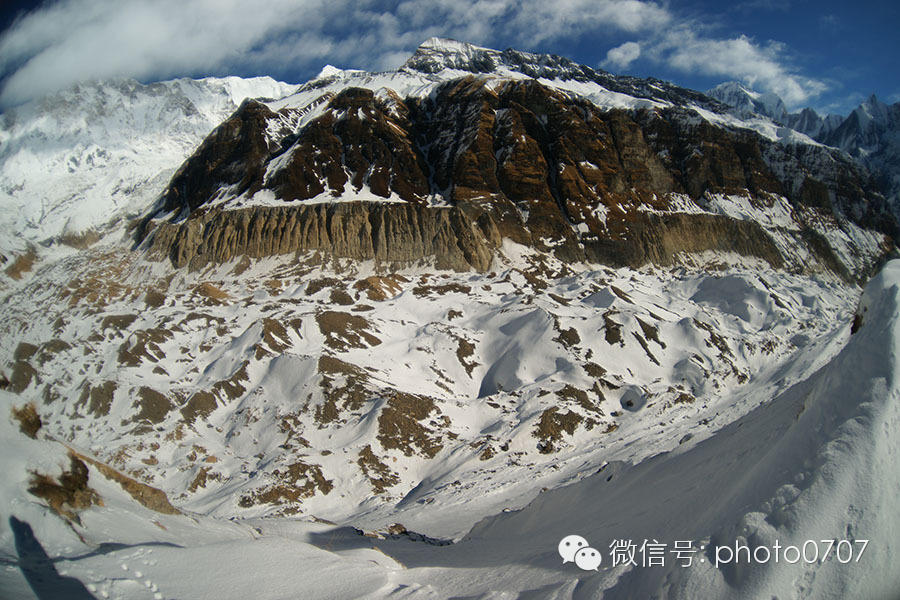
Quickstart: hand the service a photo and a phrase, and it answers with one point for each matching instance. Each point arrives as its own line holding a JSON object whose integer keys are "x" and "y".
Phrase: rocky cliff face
{"x": 403, "y": 234}
{"x": 388, "y": 233}
{"x": 480, "y": 158}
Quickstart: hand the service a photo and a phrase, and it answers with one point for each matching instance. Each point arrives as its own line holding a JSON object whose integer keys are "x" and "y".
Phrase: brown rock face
{"x": 233, "y": 155}
{"x": 403, "y": 233}
{"x": 703, "y": 158}
{"x": 385, "y": 232}
{"x": 658, "y": 239}
{"x": 511, "y": 159}
{"x": 360, "y": 141}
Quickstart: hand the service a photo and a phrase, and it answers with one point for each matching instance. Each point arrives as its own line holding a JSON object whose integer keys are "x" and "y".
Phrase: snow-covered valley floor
{"x": 491, "y": 415}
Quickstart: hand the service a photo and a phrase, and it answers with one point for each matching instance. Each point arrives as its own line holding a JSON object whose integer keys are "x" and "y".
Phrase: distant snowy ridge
{"x": 445, "y": 58}
{"x": 870, "y": 133}
{"x": 747, "y": 103}
{"x": 82, "y": 157}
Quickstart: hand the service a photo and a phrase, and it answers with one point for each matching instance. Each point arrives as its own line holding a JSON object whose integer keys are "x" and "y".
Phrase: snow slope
{"x": 304, "y": 365}
{"x": 83, "y": 157}
{"x": 817, "y": 460}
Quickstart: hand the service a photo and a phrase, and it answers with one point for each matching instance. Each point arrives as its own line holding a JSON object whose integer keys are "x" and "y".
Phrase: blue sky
{"x": 826, "y": 54}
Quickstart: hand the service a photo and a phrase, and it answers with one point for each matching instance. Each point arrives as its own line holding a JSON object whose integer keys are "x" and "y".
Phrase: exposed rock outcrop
{"x": 233, "y": 155}
{"x": 406, "y": 233}
{"x": 659, "y": 239}
{"x": 366, "y": 231}
{"x": 512, "y": 159}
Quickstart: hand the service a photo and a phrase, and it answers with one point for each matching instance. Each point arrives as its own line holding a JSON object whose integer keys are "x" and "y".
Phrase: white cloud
{"x": 71, "y": 40}
{"x": 539, "y": 20}
{"x": 757, "y": 5}
{"x": 80, "y": 39}
{"x": 622, "y": 56}
{"x": 762, "y": 67}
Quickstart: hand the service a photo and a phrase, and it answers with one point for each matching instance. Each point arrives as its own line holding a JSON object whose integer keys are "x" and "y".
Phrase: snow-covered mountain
{"x": 57, "y": 179}
{"x": 870, "y": 133}
{"x": 396, "y": 334}
{"x": 446, "y": 58}
{"x": 98, "y": 151}
{"x": 808, "y": 121}
{"x": 747, "y": 103}
{"x": 461, "y": 147}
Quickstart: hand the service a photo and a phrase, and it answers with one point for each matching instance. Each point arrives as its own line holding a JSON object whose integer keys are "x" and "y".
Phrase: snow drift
{"x": 819, "y": 462}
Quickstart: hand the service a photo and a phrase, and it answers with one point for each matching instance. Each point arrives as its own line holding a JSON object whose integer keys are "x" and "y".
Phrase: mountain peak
{"x": 329, "y": 71}
{"x": 437, "y": 54}
{"x": 747, "y": 102}
{"x": 446, "y": 45}
{"x": 872, "y": 111}
{"x": 732, "y": 87}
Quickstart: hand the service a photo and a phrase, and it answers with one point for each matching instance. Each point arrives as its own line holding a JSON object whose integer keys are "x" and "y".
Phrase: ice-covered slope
{"x": 82, "y": 157}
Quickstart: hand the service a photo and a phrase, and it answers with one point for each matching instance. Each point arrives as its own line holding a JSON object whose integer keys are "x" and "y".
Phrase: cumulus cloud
{"x": 71, "y": 40}
{"x": 65, "y": 41}
{"x": 74, "y": 40}
{"x": 761, "y": 66}
{"x": 622, "y": 56}
{"x": 539, "y": 20}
